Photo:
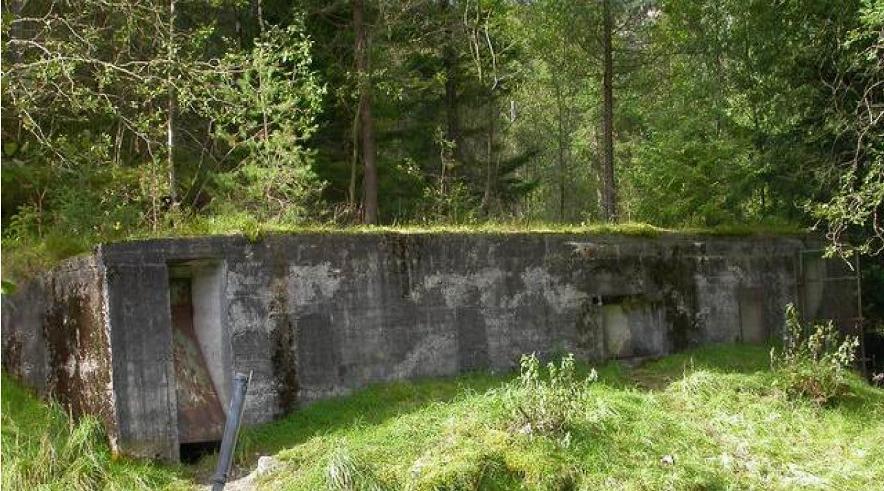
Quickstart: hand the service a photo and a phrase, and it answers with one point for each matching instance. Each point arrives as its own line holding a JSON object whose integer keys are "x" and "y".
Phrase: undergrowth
{"x": 547, "y": 401}
{"x": 815, "y": 361}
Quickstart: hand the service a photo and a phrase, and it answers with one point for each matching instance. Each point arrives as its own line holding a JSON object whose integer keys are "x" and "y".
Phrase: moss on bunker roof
{"x": 624, "y": 229}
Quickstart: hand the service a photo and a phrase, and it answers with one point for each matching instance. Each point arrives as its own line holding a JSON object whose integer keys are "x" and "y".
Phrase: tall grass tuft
{"x": 45, "y": 448}
{"x": 71, "y": 460}
{"x": 346, "y": 473}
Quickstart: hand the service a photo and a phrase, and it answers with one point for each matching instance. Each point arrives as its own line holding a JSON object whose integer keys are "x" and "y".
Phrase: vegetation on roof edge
{"x": 255, "y": 232}
{"x": 23, "y": 259}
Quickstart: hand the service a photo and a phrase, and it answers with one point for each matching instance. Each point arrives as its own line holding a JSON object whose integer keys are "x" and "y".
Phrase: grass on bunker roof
{"x": 255, "y": 231}
{"x": 713, "y": 410}
{"x": 26, "y": 257}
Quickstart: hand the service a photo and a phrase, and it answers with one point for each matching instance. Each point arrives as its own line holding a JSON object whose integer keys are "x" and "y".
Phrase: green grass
{"x": 253, "y": 229}
{"x": 42, "y": 449}
{"x": 714, "y": 410}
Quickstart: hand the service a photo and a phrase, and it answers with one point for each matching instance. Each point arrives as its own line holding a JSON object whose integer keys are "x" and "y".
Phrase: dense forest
{"x": 128, "y": 117}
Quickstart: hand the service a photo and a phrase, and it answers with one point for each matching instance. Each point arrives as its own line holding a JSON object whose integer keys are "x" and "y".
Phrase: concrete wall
{"x": 319, "y": 315}
{"x": 55, "y": 339}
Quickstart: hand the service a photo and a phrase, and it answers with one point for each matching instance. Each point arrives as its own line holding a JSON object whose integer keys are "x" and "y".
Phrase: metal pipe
{"x": 231, "y": 429}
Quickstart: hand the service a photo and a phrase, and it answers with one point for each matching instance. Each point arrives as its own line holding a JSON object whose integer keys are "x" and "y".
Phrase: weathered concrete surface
{"x": 313, "y": 316}
{"x": 55, "y": 339}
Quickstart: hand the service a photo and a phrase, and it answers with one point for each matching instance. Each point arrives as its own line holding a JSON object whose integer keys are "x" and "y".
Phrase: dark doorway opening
{"x": 873, "y": 319}
{"x": 191, "y": 453}
{"x": 874, "y": 348}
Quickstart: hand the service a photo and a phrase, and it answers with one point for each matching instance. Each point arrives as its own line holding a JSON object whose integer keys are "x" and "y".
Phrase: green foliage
{"x": 548, "y": 403}
{"x": 815, "y": 361}
{"x": 452, "y": 204}
{"x": 853, "y": 213}
{"x": 43, "y": 448}
{"x": 728, "y": 114}
{"x": 270, "y": 99}
{"x": 8, "y": 287}
{"x": 88, "y": 153}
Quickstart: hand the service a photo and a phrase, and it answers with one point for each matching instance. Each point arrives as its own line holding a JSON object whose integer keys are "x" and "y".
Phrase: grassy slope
{"x": 713, "y": 410}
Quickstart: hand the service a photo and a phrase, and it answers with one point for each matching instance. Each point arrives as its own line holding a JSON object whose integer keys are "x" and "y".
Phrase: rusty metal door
{"x": 200, "y": 415}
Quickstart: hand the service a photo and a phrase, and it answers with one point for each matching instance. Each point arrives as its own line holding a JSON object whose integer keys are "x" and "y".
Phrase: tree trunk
{"x": 490, "y": 169}
{"x": 170, "y": 117}
{"x": 609, "y": 192}
{"x": 560, "y": 110}
{"x": 450, "y": 62}
{"x": 452, "y": 133}
{"x": 354, "y": 160}
{"x": 366, "y": 126}
{"x": 265, "y": 123}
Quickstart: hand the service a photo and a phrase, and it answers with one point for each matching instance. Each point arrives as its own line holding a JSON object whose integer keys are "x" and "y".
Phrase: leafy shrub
{"x": 546, "y": 403}
{"x": 814, "y": 361}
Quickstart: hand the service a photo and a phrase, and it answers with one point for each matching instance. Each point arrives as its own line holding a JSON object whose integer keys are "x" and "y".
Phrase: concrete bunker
{"x": 318, "y": 315}
{"x": 200, "y": 352}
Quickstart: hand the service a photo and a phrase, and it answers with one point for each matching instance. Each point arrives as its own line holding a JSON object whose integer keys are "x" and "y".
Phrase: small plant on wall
{"x": 815, "y": 360}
